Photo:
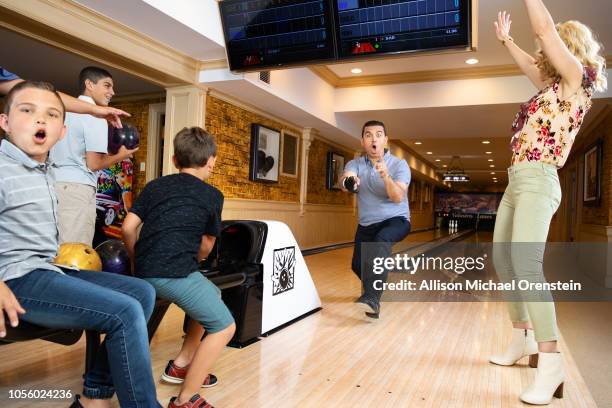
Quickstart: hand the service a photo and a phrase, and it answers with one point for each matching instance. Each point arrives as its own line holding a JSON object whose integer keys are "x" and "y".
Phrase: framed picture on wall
{"x": 265, "y": 153}
{"x": 335, "y": 168}
{"x": 592, "y": 174}
{"x": 289, "y": 158}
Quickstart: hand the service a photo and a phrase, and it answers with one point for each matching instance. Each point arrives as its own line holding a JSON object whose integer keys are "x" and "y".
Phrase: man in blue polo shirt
{"x": 381, "y": 181}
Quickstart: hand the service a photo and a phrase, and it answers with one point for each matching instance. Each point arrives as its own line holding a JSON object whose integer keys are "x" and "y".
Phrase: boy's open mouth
{"x": 40, "y": 136}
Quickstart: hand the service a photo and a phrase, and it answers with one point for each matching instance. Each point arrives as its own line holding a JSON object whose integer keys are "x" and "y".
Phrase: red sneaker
{"x": 174, "y": 374}
{"x": 195, "y": 402}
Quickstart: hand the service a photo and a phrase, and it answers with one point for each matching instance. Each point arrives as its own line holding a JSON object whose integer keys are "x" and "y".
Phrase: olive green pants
{"x": 521, "y": 228}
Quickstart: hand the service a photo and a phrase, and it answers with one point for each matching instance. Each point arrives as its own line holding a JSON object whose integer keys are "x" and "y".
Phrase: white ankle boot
{"x": 548, "y": 381}
{"x": 522, "y": 344}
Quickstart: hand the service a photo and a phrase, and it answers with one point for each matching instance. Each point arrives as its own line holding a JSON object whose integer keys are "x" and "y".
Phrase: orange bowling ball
{"x": 77, "y": 255}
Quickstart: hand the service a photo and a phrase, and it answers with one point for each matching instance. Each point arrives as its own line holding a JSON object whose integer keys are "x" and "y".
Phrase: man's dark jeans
{"x": 376, "y": 241}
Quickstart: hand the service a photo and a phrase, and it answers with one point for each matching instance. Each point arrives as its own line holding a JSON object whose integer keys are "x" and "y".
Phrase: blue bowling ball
{"x": 115, "y": 257}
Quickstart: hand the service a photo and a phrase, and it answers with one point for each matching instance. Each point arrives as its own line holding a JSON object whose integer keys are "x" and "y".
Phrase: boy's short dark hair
{"x": 94, "y": 74}
{"x": 45, "y": 86}
{"x": 373, "y": 123}
{"x": 193, "y": 147}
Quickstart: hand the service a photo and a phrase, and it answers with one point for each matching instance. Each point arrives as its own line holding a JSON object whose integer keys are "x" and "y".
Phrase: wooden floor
{"x": 416, "y": 355}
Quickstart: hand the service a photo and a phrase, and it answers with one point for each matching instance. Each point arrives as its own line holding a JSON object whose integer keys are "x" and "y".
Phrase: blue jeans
{"x": 376, "y": 241}
{"x": 113, "y": 304}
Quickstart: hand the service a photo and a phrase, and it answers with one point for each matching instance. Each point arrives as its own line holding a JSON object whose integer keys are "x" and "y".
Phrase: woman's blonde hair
{"x": 581, "y": 42}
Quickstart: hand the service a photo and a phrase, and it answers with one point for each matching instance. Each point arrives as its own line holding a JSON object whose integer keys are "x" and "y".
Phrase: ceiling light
{"x": 356, "y": 71}
{"x": 490, "y": 160}
{"x": 444, "y": 165}
{"x": 471, "y": 61}
{"x": 485, "y": 142}
{"x": 495, "y": 181}
{"x": 429, "y": 152}
{"x": 488, "y": 152}
{"x": 437, "y": 160}
{"x": 491, "y": 165}
{"x": 456, "y": 172}
{"x": 418, "y": 143}
{"x": 492, "y": 172}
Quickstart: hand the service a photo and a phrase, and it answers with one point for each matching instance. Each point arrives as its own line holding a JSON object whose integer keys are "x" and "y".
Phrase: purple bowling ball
{"x": 115, "y": 257}
{"x": 127, "y": 136}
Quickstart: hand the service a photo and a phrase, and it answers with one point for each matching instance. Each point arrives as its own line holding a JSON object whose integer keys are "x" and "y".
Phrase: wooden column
{"x": 185, "y": 107}
{"x": 307, "y": 136}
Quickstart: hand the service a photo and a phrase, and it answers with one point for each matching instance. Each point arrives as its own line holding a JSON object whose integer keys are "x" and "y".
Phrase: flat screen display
{"x": 370, "y": 27}
{"x": 263, "y": 34}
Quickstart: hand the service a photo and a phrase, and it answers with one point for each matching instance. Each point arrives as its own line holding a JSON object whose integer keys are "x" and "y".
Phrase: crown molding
{"x": 72, "y": 27}
{"x": 420, "y": 76}
{"x": 326, "y": 74}
{"x": 291, "y": 127}
{"x": 212, "y": 64}
{"x": 416, "y": 76}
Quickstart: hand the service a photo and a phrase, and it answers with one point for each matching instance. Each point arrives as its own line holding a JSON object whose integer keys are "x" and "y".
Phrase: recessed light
{"x": 437, "y": 160}
{"x": 495, "y": 181}
{"x": 490, "y": 160}
{"x": 488, "y": 152}
{"x": 356, "y": 71}
{"x": 444, "y": 165}
{"x": 492, "y": 172}
{"x": 418, "y": 143}
{"x": 471, "y": 61}
{"x": 485, "y": 142}
{"x": 491, "y": 165}
{"x": 429, "y": 152}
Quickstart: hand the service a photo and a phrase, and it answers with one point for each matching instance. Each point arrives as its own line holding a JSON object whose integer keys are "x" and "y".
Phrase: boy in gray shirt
{"x": 35, "y": 290}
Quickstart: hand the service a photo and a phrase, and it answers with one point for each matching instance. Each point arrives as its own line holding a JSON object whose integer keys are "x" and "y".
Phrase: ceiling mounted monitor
{"x": 263, "y": 34}
{"x": 375, "y": 27}
{"x": 268, "y": 34}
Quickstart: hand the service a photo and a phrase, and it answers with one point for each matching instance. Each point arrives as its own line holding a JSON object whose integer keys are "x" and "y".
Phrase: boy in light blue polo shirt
{"x": 79, "y": 155}
{"x": 381, "y": 182}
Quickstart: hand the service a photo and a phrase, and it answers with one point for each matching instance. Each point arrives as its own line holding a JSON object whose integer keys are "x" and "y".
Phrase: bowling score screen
{"x": 372, "y": 27}
{"x": 272, "y": 33}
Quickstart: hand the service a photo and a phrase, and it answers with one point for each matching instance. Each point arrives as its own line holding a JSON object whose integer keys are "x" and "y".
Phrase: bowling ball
{"x": 77, "y": 255}
{"x": 115, "y": 258}
{"x": 351, "y": 184}
{"x": 127, "y": 136}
